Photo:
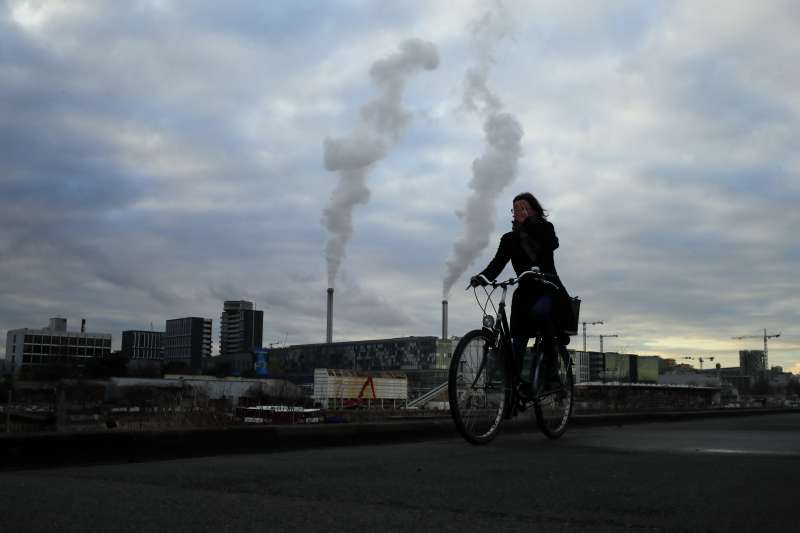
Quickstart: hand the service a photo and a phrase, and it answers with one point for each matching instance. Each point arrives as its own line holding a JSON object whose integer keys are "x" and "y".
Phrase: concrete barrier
{"x": 47, "y": 450}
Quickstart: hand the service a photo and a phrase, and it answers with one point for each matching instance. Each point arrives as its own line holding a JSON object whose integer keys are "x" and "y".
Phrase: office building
{"x": 138, "y": 344}
{"x": 581, "y": 366}
{"x": 188, "y": 341}
{"x": 241, "y": 327}
{"x": 54, "y": 345}
{"x": 751, "y": 362}
{"x": 597, "y": 366}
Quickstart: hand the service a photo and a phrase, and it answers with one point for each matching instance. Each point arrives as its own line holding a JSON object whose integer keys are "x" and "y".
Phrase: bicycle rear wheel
{"x": 553, "y": 407}
{"x": 479, "y": 387}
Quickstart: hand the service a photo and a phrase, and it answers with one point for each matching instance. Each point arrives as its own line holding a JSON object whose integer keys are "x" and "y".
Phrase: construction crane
{"x": 279, "y": 343}
{"x": 601, "y": 337}
{"x": 700, "y": 360}
{"x": 598, "y": 322}
{"x": 765, "y": 336}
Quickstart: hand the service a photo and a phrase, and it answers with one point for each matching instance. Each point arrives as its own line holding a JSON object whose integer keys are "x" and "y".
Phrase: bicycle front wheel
{"x": 553, "y": 407}
{"x": 479, "y": 387}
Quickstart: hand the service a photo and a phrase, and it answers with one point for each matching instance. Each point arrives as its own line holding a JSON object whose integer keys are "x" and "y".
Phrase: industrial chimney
{"x": 329, "y": 332}
{"x": 83, "y": 325}
{"x": 444, "y": 320}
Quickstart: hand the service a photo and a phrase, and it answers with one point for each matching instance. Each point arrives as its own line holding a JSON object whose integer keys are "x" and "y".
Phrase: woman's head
{"x": 526, "y": 204}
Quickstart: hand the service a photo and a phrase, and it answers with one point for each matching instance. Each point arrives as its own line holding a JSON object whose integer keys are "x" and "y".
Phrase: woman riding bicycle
{"x": 535, "y": 307}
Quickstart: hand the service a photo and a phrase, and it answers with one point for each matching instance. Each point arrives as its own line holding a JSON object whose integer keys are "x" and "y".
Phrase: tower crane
{"x": 601, "y": 337}
{"x": 595, "y": 323}
{"x": 700, "y": 360}
{"x": 765, "y": 336}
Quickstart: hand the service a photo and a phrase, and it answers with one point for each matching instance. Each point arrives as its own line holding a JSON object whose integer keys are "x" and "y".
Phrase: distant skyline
{"x": 159, "y": 157}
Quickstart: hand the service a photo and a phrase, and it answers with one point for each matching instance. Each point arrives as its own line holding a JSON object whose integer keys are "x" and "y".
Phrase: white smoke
{"x": 382, "y": 121}
{"x": 496, "y": 168}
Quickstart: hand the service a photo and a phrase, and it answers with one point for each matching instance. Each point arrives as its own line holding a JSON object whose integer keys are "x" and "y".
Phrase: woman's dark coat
{"x": 542, "y": 241}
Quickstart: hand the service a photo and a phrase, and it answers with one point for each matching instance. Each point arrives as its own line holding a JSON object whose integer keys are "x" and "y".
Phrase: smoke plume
{"x": 382, "y": 121}
{"x": 496, "y": 167}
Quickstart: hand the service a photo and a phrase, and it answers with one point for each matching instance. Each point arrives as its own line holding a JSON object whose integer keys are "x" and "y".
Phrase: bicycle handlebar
{"x": 535, "y": 272}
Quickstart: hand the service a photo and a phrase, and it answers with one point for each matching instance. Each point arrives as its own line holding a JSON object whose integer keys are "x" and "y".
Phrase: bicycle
{"x": 485, "y": 384}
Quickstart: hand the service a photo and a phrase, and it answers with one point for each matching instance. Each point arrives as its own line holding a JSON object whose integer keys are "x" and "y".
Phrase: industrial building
{"x": 54, "y": 345}
{"x": 405, "y": 353}
{"x": 424, "y": 360}
{"x": 350, "y": 388}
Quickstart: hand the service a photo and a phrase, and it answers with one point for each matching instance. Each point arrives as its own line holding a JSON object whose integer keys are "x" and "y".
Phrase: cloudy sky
{"x": 158, "y": 157}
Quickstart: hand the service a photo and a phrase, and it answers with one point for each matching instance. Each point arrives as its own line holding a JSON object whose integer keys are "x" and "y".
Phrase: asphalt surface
{"x": 713, "y": 474}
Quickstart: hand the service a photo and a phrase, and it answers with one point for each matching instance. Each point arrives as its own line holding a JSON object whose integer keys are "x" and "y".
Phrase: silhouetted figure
{"x": 534, "y": 306}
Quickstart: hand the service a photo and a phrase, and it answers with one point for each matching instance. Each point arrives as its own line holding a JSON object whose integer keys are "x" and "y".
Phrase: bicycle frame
{"x": 502, "y": 340}
{"x": 501, "y": 335}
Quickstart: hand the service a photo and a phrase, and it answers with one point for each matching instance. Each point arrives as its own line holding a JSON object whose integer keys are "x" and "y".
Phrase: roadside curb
{"x": 666, "y": 416}
{"x": 48, "y": 450}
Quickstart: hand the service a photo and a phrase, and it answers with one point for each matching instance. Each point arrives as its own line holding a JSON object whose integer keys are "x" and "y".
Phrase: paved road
{"x": 732, "y": 474}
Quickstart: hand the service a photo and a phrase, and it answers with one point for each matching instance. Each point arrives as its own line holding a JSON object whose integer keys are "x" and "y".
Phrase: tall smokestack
{"x": 83, "y": 325}
{"x": 444, "y": 320}
{"x": 329, "y": 332}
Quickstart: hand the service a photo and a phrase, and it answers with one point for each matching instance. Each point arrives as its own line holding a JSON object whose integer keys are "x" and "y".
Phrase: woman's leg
{"x": 541, "y": 313}
{"x": 520, "y": 345}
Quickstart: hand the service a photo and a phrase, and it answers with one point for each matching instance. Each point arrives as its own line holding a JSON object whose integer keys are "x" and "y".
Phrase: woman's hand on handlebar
{"x": 478, "y": 280}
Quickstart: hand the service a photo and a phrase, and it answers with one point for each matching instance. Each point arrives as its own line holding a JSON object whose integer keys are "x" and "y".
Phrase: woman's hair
{"x": 533, "y": 202}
